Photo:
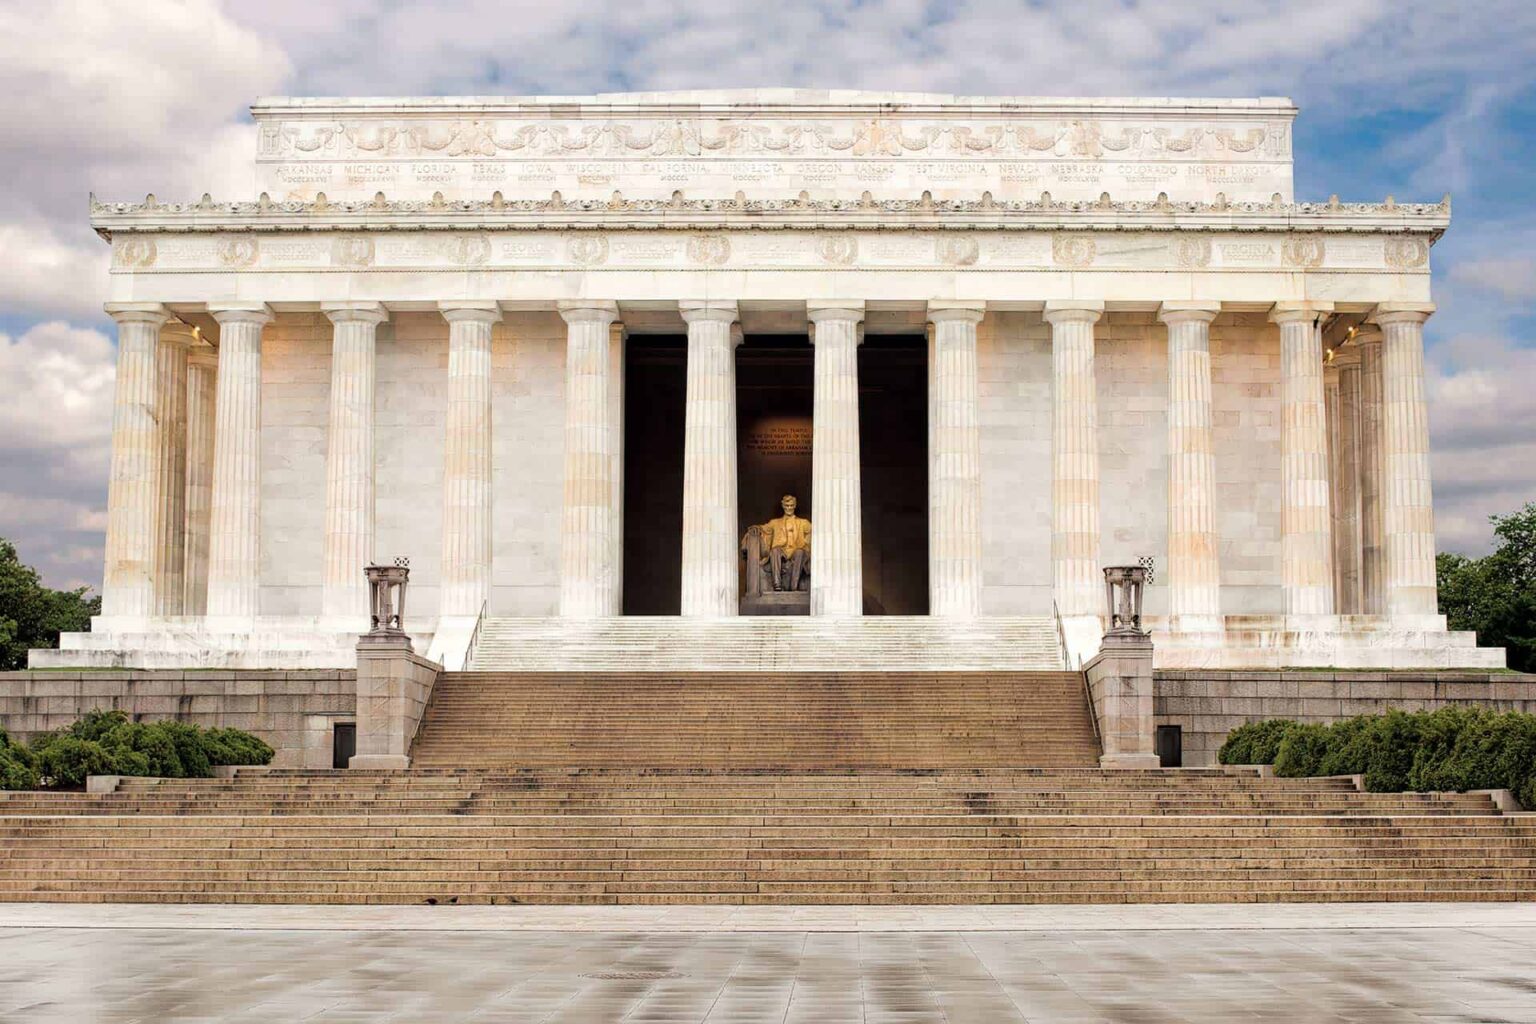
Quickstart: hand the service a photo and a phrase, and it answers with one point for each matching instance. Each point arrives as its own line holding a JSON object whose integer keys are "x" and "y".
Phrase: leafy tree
{"x": 1496, "y": 595}
{"x": 32, "y": 615}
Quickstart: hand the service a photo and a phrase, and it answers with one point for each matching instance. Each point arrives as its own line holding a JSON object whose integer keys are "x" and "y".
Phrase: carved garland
{"x": 1074, "y": 139}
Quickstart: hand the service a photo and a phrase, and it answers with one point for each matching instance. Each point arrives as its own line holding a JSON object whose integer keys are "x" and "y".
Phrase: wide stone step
{"x": 766, "y": 644}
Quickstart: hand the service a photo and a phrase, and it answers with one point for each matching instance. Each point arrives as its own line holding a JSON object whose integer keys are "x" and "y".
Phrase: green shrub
{"x": 16, "y": 768}
{"x": 107, "y": 743}
{"x": 232, "y": 746}
{"x": 1255, "y": 742}
{"x": 1454, "y": 748}
{"x": 67, "y": 760}
{"x": 1302, "y": 751}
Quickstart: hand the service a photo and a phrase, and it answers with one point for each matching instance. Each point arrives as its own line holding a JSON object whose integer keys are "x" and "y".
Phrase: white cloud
{"x": 1482, "y": 415}
{"x": 1512, "y": 277}
{"x": 55, "y": 447}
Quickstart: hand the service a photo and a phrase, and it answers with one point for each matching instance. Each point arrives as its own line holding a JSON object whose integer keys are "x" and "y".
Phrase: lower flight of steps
{"x": 904, "y": 643}
{"x": 710, "y": 720}
{"x": 568, "y": 835}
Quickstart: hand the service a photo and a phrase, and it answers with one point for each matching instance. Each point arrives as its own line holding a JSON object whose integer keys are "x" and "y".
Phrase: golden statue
{"x": 782, "y": 546}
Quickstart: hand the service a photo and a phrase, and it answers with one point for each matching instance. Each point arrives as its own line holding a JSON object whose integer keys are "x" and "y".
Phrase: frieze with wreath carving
{"x": 1076, "y": 139}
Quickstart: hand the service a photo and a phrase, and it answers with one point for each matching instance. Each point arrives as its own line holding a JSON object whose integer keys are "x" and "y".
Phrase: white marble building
{"x": 413, "y": 341}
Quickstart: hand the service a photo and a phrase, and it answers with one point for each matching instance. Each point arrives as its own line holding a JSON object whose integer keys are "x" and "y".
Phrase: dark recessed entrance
{"x": 774, "y": 378}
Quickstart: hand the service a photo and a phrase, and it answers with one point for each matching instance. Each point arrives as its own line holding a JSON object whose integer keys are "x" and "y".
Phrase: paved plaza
{"x": 504, "y": 965}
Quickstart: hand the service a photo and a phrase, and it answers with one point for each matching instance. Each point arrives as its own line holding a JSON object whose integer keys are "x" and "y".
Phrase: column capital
{"x": 355, "y": 312}
{"x": 137, "y": 312}
{"x": 952, "y": 311}
{"x": 835, "y": 309}
{"x": 588, "y": 311}
{"x": 1368, "y": 334}
{"x": 240, "y": 312}
{"x": 1298, "y": 312}
{"x": 1401, "y": 312}
{"x": 177, "y": 332}
{"x": 1073, "y": 311}
{"x": 704, "y": 310}
{"x": 1188, "y": 312}
{"x": 471, "y": 311}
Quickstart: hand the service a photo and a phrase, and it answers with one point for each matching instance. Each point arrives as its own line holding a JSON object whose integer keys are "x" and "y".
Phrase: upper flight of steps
{"x": 555, "y": 835}
{"x": 909, "y": 643}
{"x": 712, "y": 720}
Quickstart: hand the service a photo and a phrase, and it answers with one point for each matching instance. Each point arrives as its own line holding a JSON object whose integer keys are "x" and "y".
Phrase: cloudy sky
{"x": 124, "y": 97}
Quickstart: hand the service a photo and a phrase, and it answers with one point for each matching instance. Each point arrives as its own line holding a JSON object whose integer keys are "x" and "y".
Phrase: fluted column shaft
{"x": 837, "y": 555}
{"x": 1408, "y": 510}
{"x": 954, "y": 460}
{"x": 467, "y": 447}
{"x": 134, "y": 488}
{"x": 1194, "y": 571}
{"x": 710, "y": 584}
{"x": 176, "y": 339}
{"x": 1373, "y": 555}
{"x": 349, "y": 462}
{"x": 202, "y": 380}
{"x": 234, "y": 520}
{"x": 1077, "y": 577}
{"x": 589, "y": 577}
{"x": 1346, "y": 546}
{"x": 1306, "y": 517}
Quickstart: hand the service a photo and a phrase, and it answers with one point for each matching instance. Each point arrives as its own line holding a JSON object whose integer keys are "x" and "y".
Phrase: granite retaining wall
{"x": 294, "y": 711}
{"x": 1207, "y": 704}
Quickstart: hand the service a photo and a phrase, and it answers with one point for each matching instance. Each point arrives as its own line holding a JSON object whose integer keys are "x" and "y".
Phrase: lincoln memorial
{"x": 568, "y": 356}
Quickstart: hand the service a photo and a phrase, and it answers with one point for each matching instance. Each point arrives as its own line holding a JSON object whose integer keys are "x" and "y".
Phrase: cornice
{"x": 866, "y": 213}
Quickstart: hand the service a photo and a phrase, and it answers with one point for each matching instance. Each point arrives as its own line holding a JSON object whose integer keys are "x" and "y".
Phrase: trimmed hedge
{"x": 1451, "y": 749}
{"x": 107, "y": 743}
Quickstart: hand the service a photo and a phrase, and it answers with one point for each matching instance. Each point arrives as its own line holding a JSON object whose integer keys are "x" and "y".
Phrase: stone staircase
{"x": 843, "y": 787}
{"x": 562, "y": 835}
{"x": 904, "y": 643}
{"x": 717, "y": 720}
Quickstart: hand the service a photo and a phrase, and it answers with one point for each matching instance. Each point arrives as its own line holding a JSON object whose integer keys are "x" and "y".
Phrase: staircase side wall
{"x": 1208, "y": 704}
{"x": 294, "y": 711}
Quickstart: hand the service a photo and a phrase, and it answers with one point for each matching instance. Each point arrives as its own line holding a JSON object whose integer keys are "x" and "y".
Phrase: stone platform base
{"x": 190, "y": 642}
{"x": 768, "y": 643}
{"x": 785, "y": 602}
{"x": 1322, "y": 641}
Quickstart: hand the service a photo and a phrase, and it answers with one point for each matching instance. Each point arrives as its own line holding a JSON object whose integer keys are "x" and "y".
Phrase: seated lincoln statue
{"x": 778, "y": 552}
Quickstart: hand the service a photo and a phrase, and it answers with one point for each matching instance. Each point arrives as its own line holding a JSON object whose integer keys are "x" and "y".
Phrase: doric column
{"x": 837, "y": 555}
{"x": 1408, "y": 511}
{"x": 1194, "y": 571}
{"x": 589, "y": 577}
{"x": 1306, "y": 534}
{"x": 1077, "y": 576}
{"x": 134, "y": 489}
{"x": 467, "y": 445}
{"x": 234, "y": 519}
{"x": 709, "y": 462}
{"x": 954, "y": 462}
{"x": 1373, "y": 554}
{"x": 1346, "y": 469}
{"x": 349, "y": 486}
{"x": 176, "y": 339}
{"x": 617, "y": 340}
{"x": 202, "y": 380}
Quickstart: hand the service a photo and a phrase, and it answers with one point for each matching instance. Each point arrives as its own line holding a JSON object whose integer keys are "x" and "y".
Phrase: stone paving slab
{"x": 684, "y": 918}
{"x": 176, "y": 975}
